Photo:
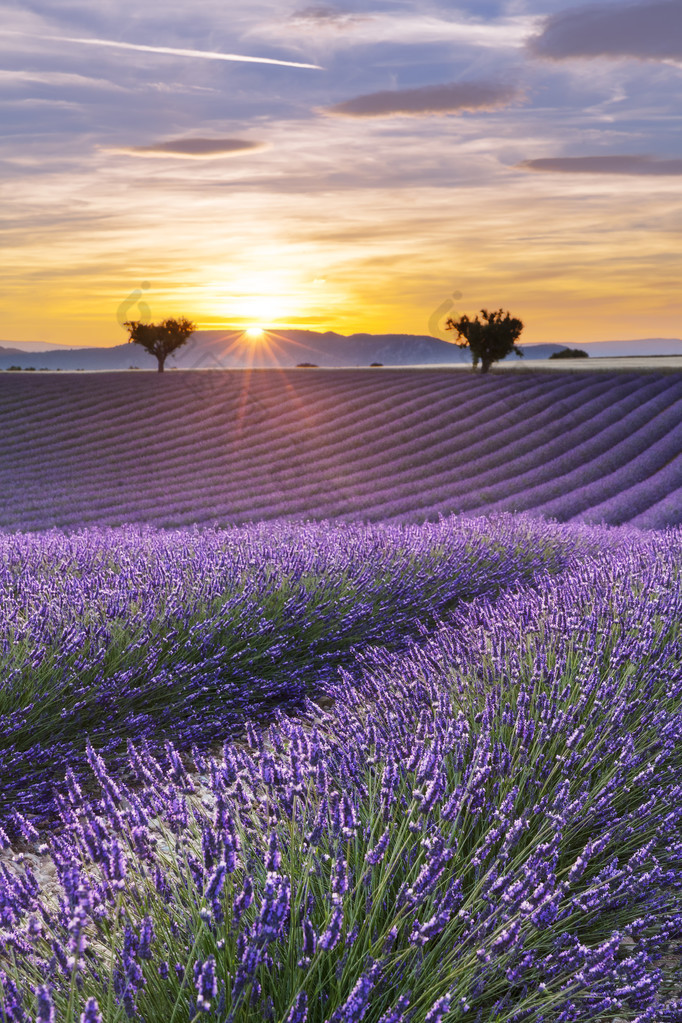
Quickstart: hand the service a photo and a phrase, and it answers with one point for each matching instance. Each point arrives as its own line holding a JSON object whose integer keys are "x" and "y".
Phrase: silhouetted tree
{"x": 160, "y": 339}
{"x": 489, "y": 339}
{"x": 570, "y": 353}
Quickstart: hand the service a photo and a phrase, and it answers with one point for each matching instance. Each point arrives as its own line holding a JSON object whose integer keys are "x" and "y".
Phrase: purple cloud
{"x": 450, "y": 98}
{"x": 623, "y": 164}
{"x": 649, "y": 31}
{"x": 195, "y": 147}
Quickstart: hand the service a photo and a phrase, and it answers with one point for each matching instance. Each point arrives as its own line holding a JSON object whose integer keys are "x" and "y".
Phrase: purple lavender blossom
{"x": 46, "y": 1009}
{"x": 274, "y": 858}
{"x": 354, "y": 1008}
{"x": 438, "y": 1010}
{"x": 274, "y": 913}
{"x": 206, "y": 984}
{"x": 299, "y": 1010}
{"x": 377, "y": 853}
{"x": 91, "y": 1013}
{"x": 397, "y": 1013}
{"x": 309, "y": 942}
{"x": 330, "y": 936}
{"x": 216, "y": 882}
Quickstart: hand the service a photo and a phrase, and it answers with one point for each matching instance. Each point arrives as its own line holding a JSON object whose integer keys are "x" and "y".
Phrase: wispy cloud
{"x": 56, "y": 79}
{"x": 650, "y": 30}
{"x": 407, "y": 28}
{"x": 194, "y": 148}
{"x": 449, "y": 98}
{"x": 616, "y": 164}
{"x": 175, "y": 51}
{"x": 323, "y": 15}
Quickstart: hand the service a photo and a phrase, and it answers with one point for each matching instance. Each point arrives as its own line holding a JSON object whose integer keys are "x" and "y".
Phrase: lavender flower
{"x": 274, "y": 858}
{"x": 206, "y": 984}
{"x": 216, "y": 882}
{"x": 309, "y": 942}
{"x": 46, "y": 1010}
{"x": 339, "y": 880}
{"x": 146, "y": 938}
{"x": 91, "y": 1013}
{"x": 299, "y": 1010}
{"x": 330, "y": 936}
{"x": 274, "y": 911}
{"x": 397, "y": 1013}
{"x": 354, "y": 1008}
{"x": 438, "y": 1010}
{"x": 377, "y": 853}
{"x": 77, "y": 941}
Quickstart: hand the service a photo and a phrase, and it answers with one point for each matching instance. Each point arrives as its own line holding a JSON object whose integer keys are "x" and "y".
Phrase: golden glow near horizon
{"x": 254, "y": 333}
{"x": 360, "y": 202}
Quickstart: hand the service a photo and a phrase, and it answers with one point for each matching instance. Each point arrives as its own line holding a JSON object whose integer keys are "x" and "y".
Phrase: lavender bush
{"x": 108, "y": 635}
{"x": 484, "y": 825}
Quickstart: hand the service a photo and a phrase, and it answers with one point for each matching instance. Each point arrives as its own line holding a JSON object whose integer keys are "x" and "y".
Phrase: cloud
{"x": 450, "y": 98}
{"x": 172, "y": 51}
{"x": 54, "y": 79}
{"x": 324, "y": 16}
{"x": 649, "y": 31}
{"x": 623, "y": 164}
{"x": 345, "y": 29}
{"x": 196, "y": 148}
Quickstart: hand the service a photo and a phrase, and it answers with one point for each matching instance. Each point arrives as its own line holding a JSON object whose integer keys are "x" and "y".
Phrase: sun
{"x": 254, "y": 333}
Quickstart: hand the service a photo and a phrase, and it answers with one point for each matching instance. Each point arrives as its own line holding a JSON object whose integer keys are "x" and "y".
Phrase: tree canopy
{"x": 160, "y": 339}
{"x": 489, "y": 339}
{"x": 570, "y": 353}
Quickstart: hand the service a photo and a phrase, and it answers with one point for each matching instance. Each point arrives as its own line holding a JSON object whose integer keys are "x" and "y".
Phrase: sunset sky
{"x": 523, "y": 154}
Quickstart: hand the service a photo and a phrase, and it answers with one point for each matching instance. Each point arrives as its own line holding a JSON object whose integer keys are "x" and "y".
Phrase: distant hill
{"x": 119, "y": 357}
{"x": 214, "y": 349}
{"x": 642, "y": 346}
{"x": 33, "y": 346}
{"x": 288, "y": 348}
{"x": 219, "y": 349}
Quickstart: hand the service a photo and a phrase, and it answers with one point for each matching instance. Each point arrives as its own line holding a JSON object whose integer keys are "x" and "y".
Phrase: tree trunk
{"x": 162, "y": 359}
{"x": 485, "y": 365}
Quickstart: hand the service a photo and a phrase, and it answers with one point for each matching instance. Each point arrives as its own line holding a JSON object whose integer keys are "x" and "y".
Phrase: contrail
{"x": 206, "y": 54}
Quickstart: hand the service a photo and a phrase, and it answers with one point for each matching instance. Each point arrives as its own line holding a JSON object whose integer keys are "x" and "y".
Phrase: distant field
{"x": 633, "y": 363}
{"x": 399, "y": 446}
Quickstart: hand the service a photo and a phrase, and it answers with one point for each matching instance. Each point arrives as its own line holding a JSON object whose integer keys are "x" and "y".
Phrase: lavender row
{"x": 485, "y": 826}
{"x": 111, "y": 634}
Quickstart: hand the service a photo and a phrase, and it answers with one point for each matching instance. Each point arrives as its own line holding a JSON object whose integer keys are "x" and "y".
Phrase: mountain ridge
{"x": 289, "y": 348}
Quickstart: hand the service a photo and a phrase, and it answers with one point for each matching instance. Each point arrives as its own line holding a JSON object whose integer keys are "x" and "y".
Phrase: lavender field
{"x": 338, "y": 773}
{"x": 421, "y": 769}
{"x": 392, "y": 445}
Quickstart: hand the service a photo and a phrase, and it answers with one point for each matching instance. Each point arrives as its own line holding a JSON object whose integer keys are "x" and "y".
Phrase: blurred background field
{"x": 404, "y": 446}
